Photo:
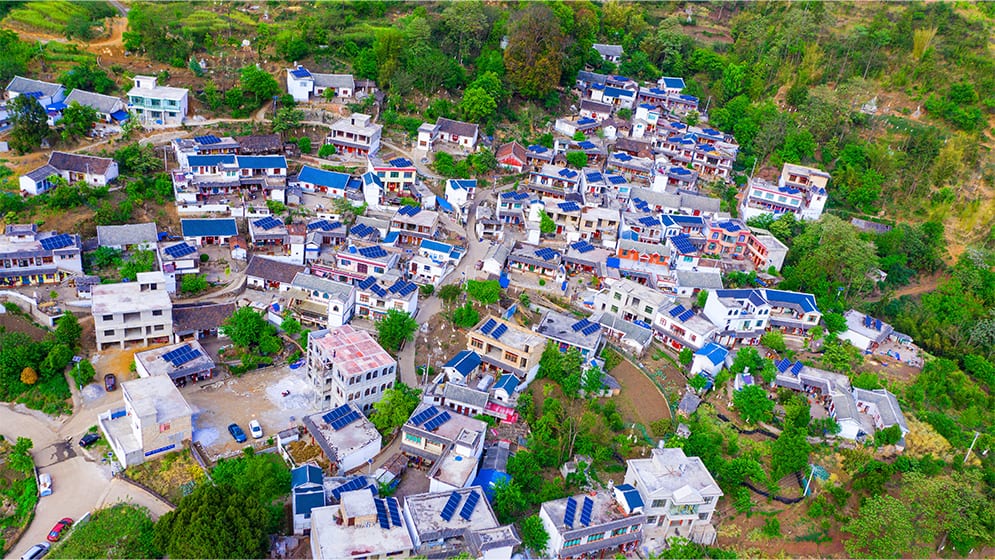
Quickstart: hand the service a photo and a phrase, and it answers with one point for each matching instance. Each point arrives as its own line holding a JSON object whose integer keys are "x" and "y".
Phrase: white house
{"x": 156, "y": 104}
{"x": 460, "y": 191}
{"x": 609, "y": 53}
{"x": 302, "y": 84}
{"x": 92, "y": 170}
{"x": 709, "y": 359}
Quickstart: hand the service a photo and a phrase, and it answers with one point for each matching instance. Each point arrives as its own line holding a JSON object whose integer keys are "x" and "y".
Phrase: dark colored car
{"x": 236, "y": 432}
{"x": 110, "y": 382}
{"x": 61, "y": 526}
{"x": 89, "y": 439}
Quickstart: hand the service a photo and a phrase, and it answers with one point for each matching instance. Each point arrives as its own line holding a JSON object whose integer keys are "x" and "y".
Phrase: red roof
{"x": 511, "y": 151}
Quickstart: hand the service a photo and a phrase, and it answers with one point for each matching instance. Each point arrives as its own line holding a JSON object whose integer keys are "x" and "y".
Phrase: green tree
{"x": 789, "y": 452}
{"x": 882, "y": 529}
{"x": 67, "y": 330}
{"x": 262, "y": 475}
{"x": 546, "y": 224}
{"x": 259, "y": 83}
{"x": 465, "y": 316}
{"x": 484, "y": 292}
{"x": 534, "y": 535}
{"x": 290, "y": 325}
{"x": 576, "y": 159}
{"x": 246, "y": 327}
{"x": 394, "y": 328}
{"x": 450, "y": 293}
{"x": 888, "y": 436}
{"x": 591, "y": 382}
{"x": 465, "y": 24}
{"x": 215, "y": 521}
{"x": 119, "y": 531}
{"x": 29, "y": 123}
{"x": 753, "y": 404}
{"x": 534, "y": 53}
{"x": 77, "y": 120}
{"x": 774, "y": 340}
{"x": 84, "y": 373}
{"x": 685, "y": 357}
{"x": 701, "y": 299}
{"x": 287, "y": 118}
{"x": 138, "y": 160}
{"x": 140, "y": 261}
{"x": 87, "y": 77}
{"x": 326, "y": 150}
{"x": 477, "y": 105}
{"x": 193, "y": 283}
{"x": 509, "y": 501}
{"x": 104, "y": 257}
{"x": 395, "y": 407}
{"x": 579, "y": 136}
{"x": 304, "y": 144}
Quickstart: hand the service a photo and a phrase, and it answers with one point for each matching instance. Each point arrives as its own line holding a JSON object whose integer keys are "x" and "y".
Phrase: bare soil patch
{"x": 16, "y": 323}
{"x": 640, "y": 401}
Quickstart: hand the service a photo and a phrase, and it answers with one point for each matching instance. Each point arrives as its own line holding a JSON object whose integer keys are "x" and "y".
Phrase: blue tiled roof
{"x": 219, "y": 227}
{"x": 464, "y": 362}
{"x": 713, "y": 353}
{"x": 210, "y": 161}
{"x": 683, "y": 244}
{"x": 330, "y": 179}
{"x": 617, "y": 92}
{"x": 507, "y": 382}
{"x": 613, "y": 262}
{"x": 632, "y": 498}
{"x": 307, "y": 499}
{"x": 305, "y": 474}
{"x": 444, "y": 205}
{"x": 436, "y": 246}
{"x": 262, "y": 162}
{"x": 585, "y": 121}
{"x": 465, "y": 184}
{"x": 805, "y": 301}
{"x": 371, "y": 178}
{"x": 673, "y": 83}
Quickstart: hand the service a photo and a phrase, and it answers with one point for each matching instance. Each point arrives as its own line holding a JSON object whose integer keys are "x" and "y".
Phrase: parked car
{"x": 36, "y": 551}
{"x": 61, "y": 526}
{"x": 236, "y": 432}
{"x": 110, "y": 382}
{"x": 89, "y": 439}
{"x": 255, "y": 429}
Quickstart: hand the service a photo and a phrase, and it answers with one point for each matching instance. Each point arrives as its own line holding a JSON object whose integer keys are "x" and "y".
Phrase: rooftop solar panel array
{"x": 395, "y": 511}
{"x": 488, "y": 326}
{"x": 361, "y": 230}
{"x": 382, "y": 513}
{"x": 586, "y": 511}
{"x": 354, "y": 484}
{"x": 269, "y": 222}
{"x": 686, "y": 315}
{"x": 469, "y": 505}
{"x": 570, "y": 513}
{"x": 438, "y": 421}
{"x": 181, "y": 355}
{"x": 424, "y": 415}
{"x": 377, "y": 289}
{"x": 400, "y": 162}
{"x": 569, "y": 207}
{"x": 179, "y": 250}
{"x": 323, "y": 225}
{"x": 344, "y": 421}
{"x": 402, "y": 288}
{"x": 207, "y": 140}
{"x": 546, "y": 254}
{"x": 583, "y": 246}
{"x": 373, "y": 252}
{"x": 409, "y": 210}
{"x": 500, "y": 330}
{"x": 797, "y": 368}
{"x": 783, "y": 365}
{"x": 56, "y": 242}
{"x": 677, "y": 310}
{"x": 449, "y": 510}
{"x": 617, "y": 179}
{"x": 365, "y": 283}
{"x": 580, "y": 324}
{"x": 336, "y": 414}
{"x": 590, "y": 329}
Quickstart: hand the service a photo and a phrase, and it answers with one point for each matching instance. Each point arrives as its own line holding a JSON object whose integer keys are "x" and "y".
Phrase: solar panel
{"x": 469, "y": 505}
{"x": 361, "y": 230}
{"x": 797, "y": 368}
{"x": 382, "y": 513}
{"x": 269, "y": 222}
{"x": 783, "y": 365}
{"x": 354, "y": 484}
{"x": 500, "y": 330}
{"x": 569, "y": 206}
{"x": 424, "y": 415}
{"x": 177, "y": 251}
{"x": 450, "y": 508}
{"x": 407, "y": 289}
{"x": 677, "y": 310}
{"x": 400, "y": 162}
{"x": 207, "y": 140}
{"x": 185, "y": 357}
{"x": 488, "y": 326}
{"x": 323, "y": 225}
{"x": 585, "y": 512}
{"x": 438, "y": 421}
{"x": 376, "y": 289}
{"x": 349, "y": 418}
{"x": 568, "y": 516}
{"x": 580, "y": 324}
{"x": 365, "y": 283}
{"x": 56, "y": 242}
{"x": 395, "y": 511}
{"x": 591, "y": 329}
{"x": 374, "y": 252}
{"x": 583, "y": 246}
{"x": 686, "y": 315}
{"x": 336, "y": 414}
{"x": 546, "y": 254}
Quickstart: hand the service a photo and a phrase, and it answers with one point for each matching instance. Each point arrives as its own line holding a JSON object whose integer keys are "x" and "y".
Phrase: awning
{"x": 120, "y": 115}
{"x": 57, "y": 106}
{"x": 444, "y": 204}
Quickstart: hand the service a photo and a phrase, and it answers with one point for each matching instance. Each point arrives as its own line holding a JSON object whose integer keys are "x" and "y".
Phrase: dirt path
{"x": 925, "y": 285}
{"x": 641, "y": 401}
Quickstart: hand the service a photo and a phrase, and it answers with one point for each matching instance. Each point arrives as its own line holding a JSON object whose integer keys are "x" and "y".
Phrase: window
{"x": 617, "y": 532}
{"x": 659, "y": 503}
{"x": 159, "y": 327}
{"x": 648, "y": 310}
{"x": 633, "y": 528}
{"x": 157, "y": 312}
{"x": 571, "y": 542}
{"x": 108, "y": 333}
{"x": 595, "y": 538}
{"x": 107, "y": 318}
{"x": 164, "y": 427}
{"x": 412, "y": 438}
{"x": 617, "y": 296}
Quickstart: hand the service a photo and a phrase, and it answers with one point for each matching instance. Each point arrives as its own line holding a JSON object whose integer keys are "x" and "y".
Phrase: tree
{"x": 591, "y": 382}
{"x": 888, "y": 436}
{"x": 465, "y": 316}
{"x": 215, "y": 521}
{"x": 774, "y": 340}
{"x": 701, "y": 299}
{"x": 509, "y": 501}
{"x": 882, "y": 529}
{"x": 395, "y": 407}
{"x": 246, "y": 327}
{"x": 576, "y": 159}
{"x": 260, "y": 83}
{"x": 789, "y": 452}
{"x": 29, "y": 123}
{"x": 534, "y": 535}
{"x": 835, "y": 322}
{"x": 193, "y": 283}
{"x": 450, "y": 293}
{"x": 579, "y": 136}
{"x": 546, "y": 224}
{"x": 326, "y": 150}
{"x": 477, "y": 105}
{"x": 685, "y": 357}
{"x": 140, "y": 261}
{"x": 67, "y": 330}
{"x": 29, "y": 376}
{"x": 287, "y": 118}
{"x": 87, "y": 77}
{"x": 304, "y": 144}
{"x": 534, "y": 53}
{"x": 465, "y": 25}
{"x": 290, "y": 325}
{"x": 77, "y": 120}
{"x": 484, "y": 292}
{"x": 138, "y": 160}
{"x": 262, "y": 475}
{"x": 394, "y": 328}
{"x": 753, "y": 404}
{"x": 84, "y": 373}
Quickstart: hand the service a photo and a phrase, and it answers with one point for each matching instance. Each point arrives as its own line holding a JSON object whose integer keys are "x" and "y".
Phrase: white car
{"x": 255, "y": 429}
{"x": 36, "y": 552}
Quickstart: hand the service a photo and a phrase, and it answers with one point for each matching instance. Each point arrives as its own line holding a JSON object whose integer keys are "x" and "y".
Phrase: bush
{"x": 326, "y": 150}
{"x": 204, "y": 257}
{"x": 304, "y": 143}
{"x": 83, "y": 373}
{"x": 465, "y": 316}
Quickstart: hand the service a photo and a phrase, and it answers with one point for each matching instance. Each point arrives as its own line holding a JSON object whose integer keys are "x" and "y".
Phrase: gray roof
{"x": 457, "y": 127}
{"x": 559, "y": 326}
{"x": 272, "y": 270}
{"x": 675, "y": 200}
{"x": 128, "y": 234}
{"x": 26, "y": 85}
{"x": 79, "y": 163}
{"x": 464, "y": 394}
{"x": 631, "y": 330}
{"x": 591, "y": 105}
{"x": 42, "y": 173}
{"x": 888, "y": 407}
{"x": 704, "y": 279}
{"x": 591, "y": 77}
{"x": 608, "y": 50}
{"x": 315, "y": 283}
{"x": 855, "y": 323}
{"x": 102, "y": 103}
{"x": 689, "y": 403}
{"x": 334, "y": 80}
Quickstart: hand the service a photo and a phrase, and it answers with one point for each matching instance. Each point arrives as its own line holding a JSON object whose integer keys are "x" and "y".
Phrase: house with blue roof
{"x": 709, "y": 359}
{"x": 376, "y": 295}
{"x": 800, "y": 191}
{"x": 671, "y": 84}
{"x": 614, "y": 96}
{"x": 461, "y": 366}
{"x": 506, "y": 387}
{"x": 314, "y": 180}
{"x": 460, "y": 191}
{"x": 792, "y": 312}
{"x": 553, "y": 181}
{"x": 208, "y": 231}
{"x": 307, "y": 490}
{"x": 397, "y": 175}
{"x": 359, "y": 260}
{"x": 537, "y": 156}
{"x": 741, "y": 316}
{"x": 302, "y": 84}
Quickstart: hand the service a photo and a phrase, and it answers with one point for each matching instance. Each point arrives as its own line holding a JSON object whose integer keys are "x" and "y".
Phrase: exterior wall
{"x": 860, "y": 341}
{"x": 360, "y": 457}
{"x": 334, "y": 389}
{"x": 123, "y": 327}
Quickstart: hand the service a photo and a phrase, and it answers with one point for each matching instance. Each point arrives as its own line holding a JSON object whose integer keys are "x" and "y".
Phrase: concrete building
{"x": 129, "y": 312}
{"x": 46, "y": 93}
{"x": 320, "y": 302}
{"x": 413, "y": 224}
{"x": 741, "y": 316}
{"x": 157, "y": 105}
{"x": 186, "y": 362}
{"x": 446, "y": 524}
{"x": 679, "y": 496}
{"x": 432, "y": 431}
{"x": 345, "y": 365}
{"x": 28, "y": 257}
{"x": 360, "y": 527}
{"x": 867, "y": 333}
{"x": 593, "y": 525}
{"x": 631, "y": 301}
{"x": 92, "y": 170}
{"x": 568, "y": 332}
{"x": 345, "y": 436}
{"x": 307, "y": 493}
{"x": 302, "y": 84}
{"x": 377, "y": 296}
{"x": 154, "y": 419}
{"x": 505, "y": 347}
{"x": 128, "y": 237}
{"x": 355, "y": 135}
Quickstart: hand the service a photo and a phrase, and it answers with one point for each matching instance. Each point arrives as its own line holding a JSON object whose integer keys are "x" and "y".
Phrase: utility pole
{"x": 968, "y": 454}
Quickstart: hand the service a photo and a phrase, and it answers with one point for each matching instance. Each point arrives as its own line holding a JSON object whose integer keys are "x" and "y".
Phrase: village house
{"x": 128, "y": 237}
{"x": 357, "y": 262}
{"x": 397, "y": 176}
{"x": 536, "y": 156}
{"x": 587, "y": 79}
{"x": 434, "y": 262}
{"x": 609, "y": 53}
{"x": 582, "y": 257}
{"x": 153, "y": 419}
{"x": 448, "y": 131}
{"x": 709, "y": 360}
{"x": 302, "y": 84}
{"x": 535, "y": 259}
{"x": 208, "y": 231}
{"x": 648, "y": 200}
{"x": 132, "y": 312}
{"x": 511, "y": 156}
{"x": 460, "y": 191}
{"x": 270, "y": 274}
{"x": 570, "y": 127}
{"x": 260, "y": 145}
{"x": 882, "y": 407}
{"x": 413, "y": 224}
{"x": 679, "y": 494}
{"x": 553, "y": 181}
{"x": 208, "y": 145}
{"x": 596, "y": 184}
{"x": 320, "y": 302}
{"x": 792, "y": 312}
{"x": 505, "y": 347}
{"x": 867, "y": 333}
{"x": 461, "y": 366}
{"x": 512, "y": 206}
{"x": 331, "y": 183}
{"x": 109, "y": 109}
{"x": 355, "y": 135}
{"x": 360, "y": 526}
{"x": 594, "y": 525}
{"x": 741, "y": 315}
{"x": 448, "y": 524}
{"x": 631, "y": 301}
{"x": 375, "y": 296}
{"x": 633, "y": 168}
{"x": 680, "y": 327}
{"x": 617, "y": 97}
{"x": 198, "y": 321}
{"x": 269, "y": 235}
{"x": 46, "y": 93}
{"x": 567, "y": 332}
{"x": 346, "y": 365}
{"x": 595, "y": 109}
{"x": 634, "y": 338}
{"x": 307, "y": 493}
{"x": 29, "y": 257}
{"x": 154, "y": 104}
{"x": 176, "y": 258}
{"x": 182, "y": 363}
{"x": 707, "y": 151}
{"x": 345, "y": 436}
{"x": 92, "y": 170}
{"x": 432, "y": 431}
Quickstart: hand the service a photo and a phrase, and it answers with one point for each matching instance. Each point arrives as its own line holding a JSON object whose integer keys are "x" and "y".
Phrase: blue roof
{"x": 307, "y": 499}
{"x": 631, "y": 495}
{"x": 537, "y": 148}
{"x": 488, "y": 480}
{"x": 805, "y": 301}
{"x": 508, "y": 382}
{"x": 464, "y": 362}
{"x": 300, "y": 72}
{"x": 713, "y": 353}
{"x": 209, "y": 227}
{"x": 617, "y": 92}
{"x": 210, "y": 161}
{"x": 262, "y": 162}
{"x": 57, "y": 106}
{"x": 647, "y": 106}
{"x": 305, "y": 474}
{"x": 330, "y": 179}
{"x": 683, "y": 244}
{"x": 673, "y": 83}
{"x": 120, "y": 116}
{"x": 613, "y": 262}
{"x": 371, "y": 177}
{"x": 587, "y": 145}
{"x": 391, "y": 238}
{"x": 436, "y": 246}
{"x": 465, "y": 184}
{"x": 586, "y": 121}
{"x": 444, "y": 204}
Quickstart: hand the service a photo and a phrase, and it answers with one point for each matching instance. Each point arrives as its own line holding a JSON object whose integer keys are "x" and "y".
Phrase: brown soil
{"x": 921, "y": 286}
{"x": 16, "y": 323}
{"x": 640, "y": 400}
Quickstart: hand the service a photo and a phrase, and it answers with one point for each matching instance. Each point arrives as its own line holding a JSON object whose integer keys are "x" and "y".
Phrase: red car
{"x": 61, "y": 526}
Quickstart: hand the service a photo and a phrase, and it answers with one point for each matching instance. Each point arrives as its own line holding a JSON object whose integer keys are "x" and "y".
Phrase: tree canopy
{"x": 394, "y": 328}
{"x": 215, "y": 521}
{"x": 395, "y": 407}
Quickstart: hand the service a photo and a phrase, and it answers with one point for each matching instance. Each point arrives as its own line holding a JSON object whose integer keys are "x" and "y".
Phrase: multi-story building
{"x": 553, "y": 181}
{"x": 707, "y": 151}
{"x": 764, "y": 250}
{"x": 359, "y": 527}
{"x": 741, "y": 316}
{"x": 569, "y": 333}
{"x": 28, "y": 257}
{"x": 460, "y": 191}
{"x": 346, "y": 365}
{"x": 792, "y": 312}
{"x": 209, "y": 145}
{"x": 800, "y": 191}
{"x": 506, "y": 347}
{"x": 447, "y": 131}
{"x": 593, "y": 525}
{"x": 448, "y": 524}
{"x": 512, "y": 206}
{"x": 648, "y": 200}
{"x": 633, "y": 168}
{"x": 433, "y": 431}
{"x": 224, "y": 181}
{"x": 631, "y": 301}
{"x": 413, "y": 224}
{"x": 679, "y": 496}
{"x": 809, "y": 180}
{"x": 92, "y": 170}
{"x": 156, "y": 104}
{"x": 358, "y": 262}
{"x": 398, "y": 176}
{"x": 600, "y": 225}
{"x": 153, "y": 419}
{"x": 355, "y": 135}
{"x": 320, "y": 302}
{"x": 680, "y": 327}
{"x": 375, "y": 296}
{"x": 138, "y": 311}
